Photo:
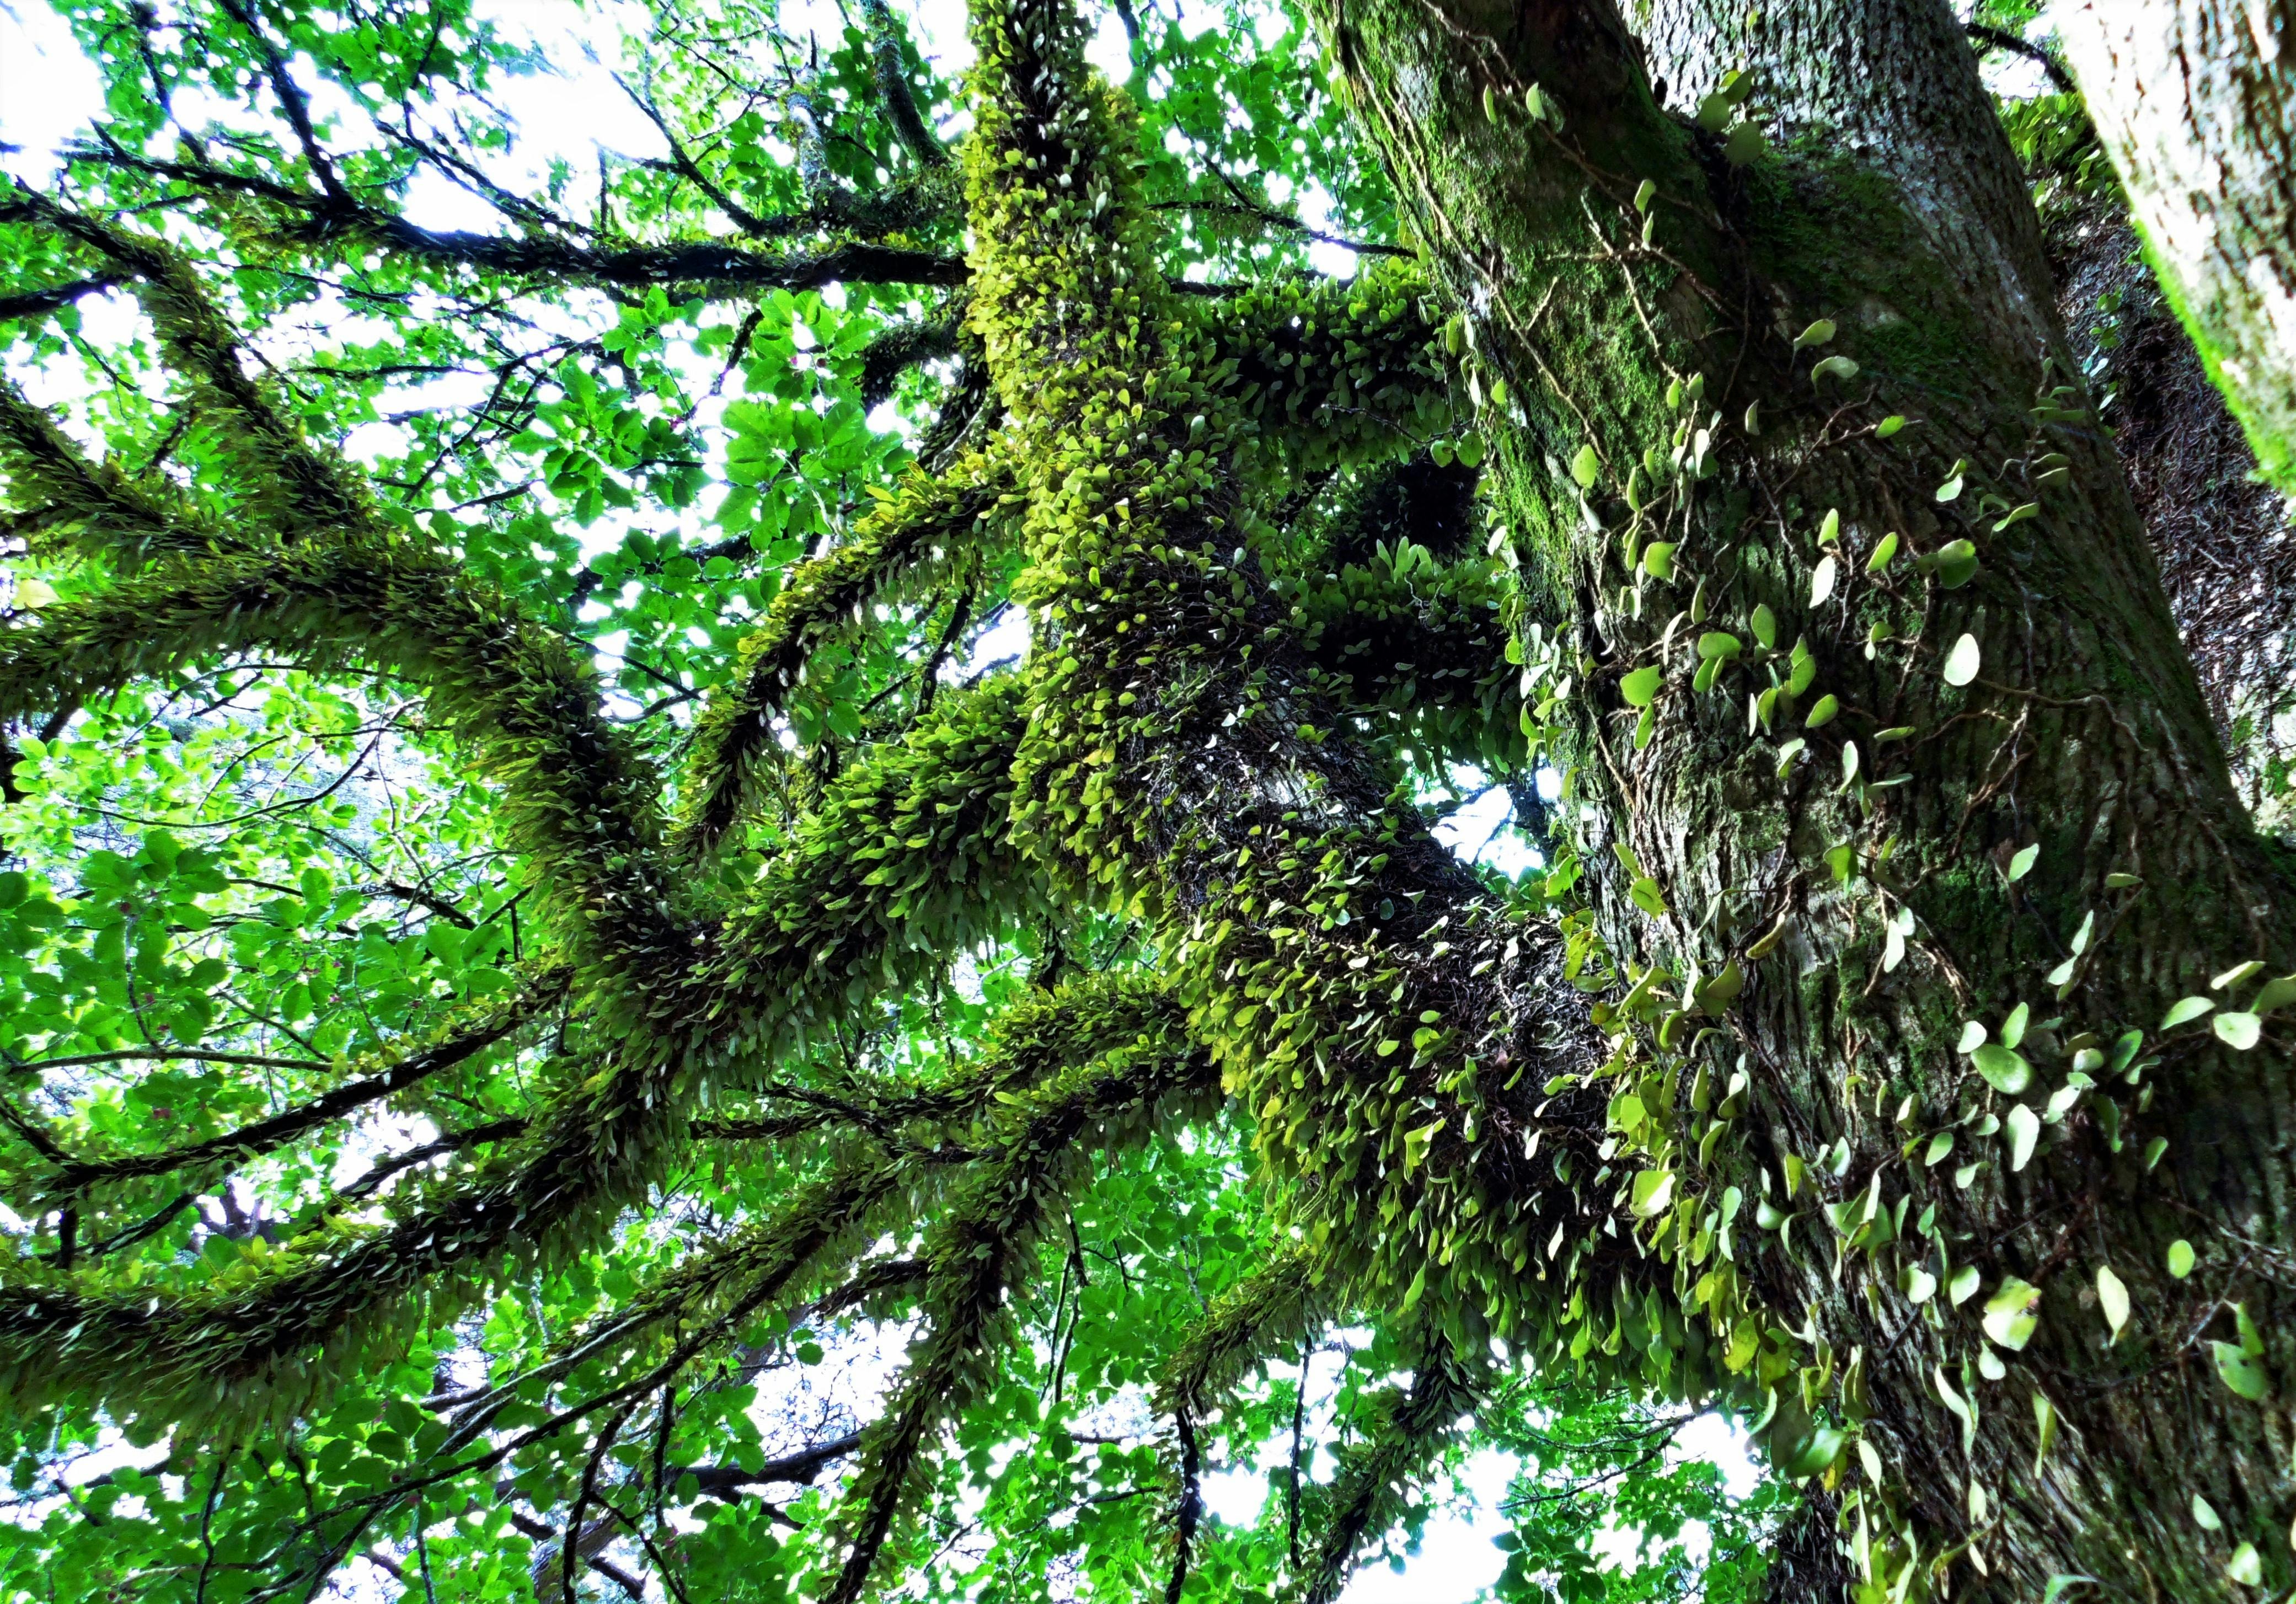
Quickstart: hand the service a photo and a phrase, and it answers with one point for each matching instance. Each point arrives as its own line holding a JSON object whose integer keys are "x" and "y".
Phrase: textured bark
{"x": 2195, "y": 100}
{"x": 1888, "y": 202}
{"x": 2220, "y": 533}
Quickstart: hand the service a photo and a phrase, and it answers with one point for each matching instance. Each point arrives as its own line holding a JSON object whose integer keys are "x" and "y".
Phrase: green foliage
{"x": 537, "y": 949}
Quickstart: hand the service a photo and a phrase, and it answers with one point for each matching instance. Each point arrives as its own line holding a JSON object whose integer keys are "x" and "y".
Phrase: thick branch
{"x": 805, "y": 1465}
{"x": 39, "y": 303}
{"x": 2196, "y": 105}
{"x": 928, "y": 521}
{"x": 266, "y": 1136}
{"x": 987, "y": 1246}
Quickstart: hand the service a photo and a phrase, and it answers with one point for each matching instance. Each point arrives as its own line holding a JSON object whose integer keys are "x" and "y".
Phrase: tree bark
{"x": 1838, "y": 847}
{"x": 2195, "y": 100}
{"x": 2220, "y": 530}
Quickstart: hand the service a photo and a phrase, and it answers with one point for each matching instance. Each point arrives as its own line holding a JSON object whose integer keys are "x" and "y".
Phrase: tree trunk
{"x": 2195, "y": 100}
{"x": 2220, "y": 530}
{"x": 1875, "y": 796}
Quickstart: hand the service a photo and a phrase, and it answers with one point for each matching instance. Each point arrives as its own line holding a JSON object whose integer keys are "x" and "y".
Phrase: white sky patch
{"x": 48, "y": 90}
{"x": 1481, "y": 832}
{"x": 1457, "y": 1559}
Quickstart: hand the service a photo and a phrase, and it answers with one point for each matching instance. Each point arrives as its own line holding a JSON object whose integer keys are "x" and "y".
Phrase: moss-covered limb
{"x": 577, "y": 801}
{"x": 1277, "y": 1304}
{"x": 815, "y": 1233}
{"x": 1401, "y": 634}
{"x": 96, "y": 509}
{"x": 850, "y": 908}
{"x": 1413, "y": 1426}
{"x": 1035, "y": 1044}
{"x": 1392, "y": 1026}
{"x": 986, "y": 1247}
{"x": 2196, "y": 105}
{"x": 475, "y": 1029}
{"x": 296, "y": 485}
{"x": 1331, "y": 372}
{"x": 907, "y": 345}
{"x": 452, "y": 1142}
{"x": 51, "y": 298}
{"x": 891, "y": 72}
{"x": 930, "y": 521}
{"x": 1035, "y": 1038}
{"x": 909, "y": 856}
{"x": 1028, "y": 1064}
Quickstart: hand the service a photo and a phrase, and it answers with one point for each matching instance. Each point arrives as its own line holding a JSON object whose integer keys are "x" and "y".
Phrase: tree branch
{"x": 38, "y": 303}
{"x": 73, "y": 1175}
{"x": 1984, "y": 35}
{"x": 722, "y": 1481}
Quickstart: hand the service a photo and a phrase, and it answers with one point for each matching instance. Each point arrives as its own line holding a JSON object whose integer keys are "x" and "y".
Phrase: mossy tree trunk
{"x": 2195, "y": 100}
{"x": 1871, "y": 782}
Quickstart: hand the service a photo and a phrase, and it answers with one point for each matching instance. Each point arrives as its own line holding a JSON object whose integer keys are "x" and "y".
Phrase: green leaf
{"x": 2186, "y": 1011}
{"x": 2240, "y": 1370}
{"x": 1646, "y": 896}
{"x": 1744, "y": 145}
{"x": 1963, "y": 1285}
{"x": 2245, "y": 1566}
{"x": 2009, "y": 1313}
{"x": 1640, "y": 685}
{"x": 2020, "y": 862}
{"x": 1653, "y": 1191}
{"x": 2024, "y": 1129}
{"x": 2180, "y": 1258}
{"x": 2239, "y": 1031}
{"x": 1586, "y": 467}
{"x": 1816, "y": 1455}
{"x": 2113, "y": 1299}
{"x": 2006, "y": 1071}
{"x": 1962, "y": 663}
{"x": 1820, "y": 333}
{"x": 2272, "y": 995}
{"x": 1954, "y": 563}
